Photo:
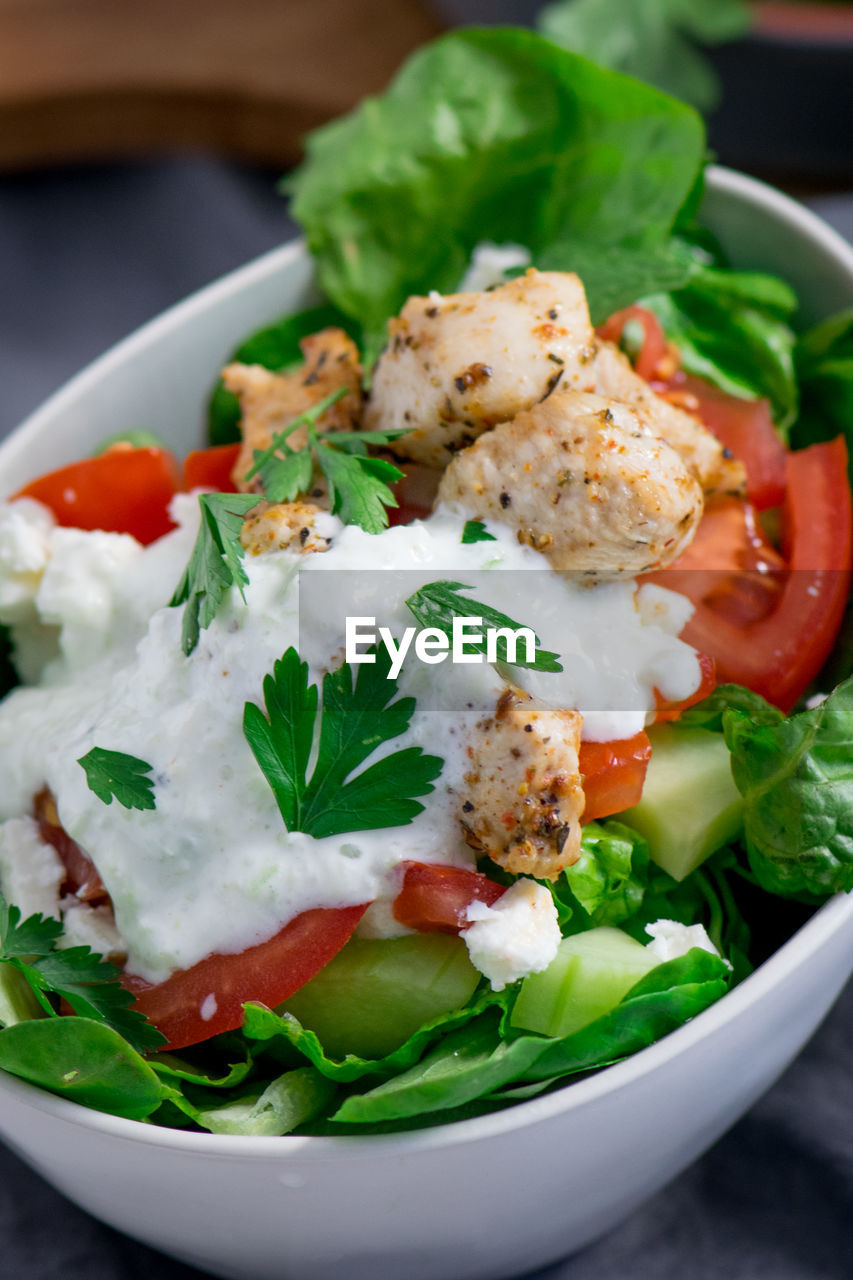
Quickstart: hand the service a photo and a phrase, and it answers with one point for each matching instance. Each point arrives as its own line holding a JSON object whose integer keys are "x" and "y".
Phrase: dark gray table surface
{"x": 85, "y": 257}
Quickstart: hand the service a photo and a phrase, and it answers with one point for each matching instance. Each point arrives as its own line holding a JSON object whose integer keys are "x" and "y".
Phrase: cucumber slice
{"x": 588, "y": 977}
{"x": 690, "y": 805}
{"x": 17, "y": 1002}
{"x": 378, "y": 991}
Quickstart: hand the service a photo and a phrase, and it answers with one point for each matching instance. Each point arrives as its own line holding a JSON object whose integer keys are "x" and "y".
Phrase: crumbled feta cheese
{"x": 95, "y": 927}
{"x": 31, "y": 873}
{"x": 517, "y": 936}
{"x": 489, "y": 264}
{"x": 671, "y": 939}
{"x": 25, "y": 531}
{"x": 662, "y": 608}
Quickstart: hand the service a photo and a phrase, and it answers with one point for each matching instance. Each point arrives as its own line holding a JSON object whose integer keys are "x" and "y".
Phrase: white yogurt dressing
{"x": 212, "y": 868}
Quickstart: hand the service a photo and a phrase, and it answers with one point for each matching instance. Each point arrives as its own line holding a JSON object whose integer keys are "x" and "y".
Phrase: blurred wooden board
{"x": 95, "y": 79}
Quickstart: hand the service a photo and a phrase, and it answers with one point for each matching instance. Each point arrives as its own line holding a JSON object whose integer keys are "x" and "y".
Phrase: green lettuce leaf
{"x": 475, "y": 1062}
{"x": 655, "y": 40}
{"x": 824, "y": 364}
{"x": 796, "y": 778}
{"x": 489, "y": 134}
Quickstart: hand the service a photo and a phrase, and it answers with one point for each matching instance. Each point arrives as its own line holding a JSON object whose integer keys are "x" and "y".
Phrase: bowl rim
{"x": 829, "y": 920}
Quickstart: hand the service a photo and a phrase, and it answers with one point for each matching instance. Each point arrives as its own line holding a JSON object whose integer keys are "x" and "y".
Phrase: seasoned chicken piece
{"x": 270, "y": 401}
{"x": 582, "y": 482}
{"x": 287, "y": 526}
{"x": 715, "y": 469}
{"x": 457, "y": 365}
{"x": 523, "y": 798}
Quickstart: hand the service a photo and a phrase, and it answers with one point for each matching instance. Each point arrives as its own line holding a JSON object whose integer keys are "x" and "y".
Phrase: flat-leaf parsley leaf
{"x": 112, "y": 774}
{"x": 476, "y": 531}
{"x": 216, "y": 563}
{"x": 77, "y": 975}
{"x": 356, "y": 717}
{"x": 438, "y": 603}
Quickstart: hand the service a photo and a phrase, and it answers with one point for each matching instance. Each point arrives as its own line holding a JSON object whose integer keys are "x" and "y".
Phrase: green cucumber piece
{"x": 378, "y": 991}
{"x": 137, "y": 439}
{"x": 589, "y": 975}
{"x": 690, "y": 805}
{"x": 17, "y": 1001}
{"x": 587, "y": 978}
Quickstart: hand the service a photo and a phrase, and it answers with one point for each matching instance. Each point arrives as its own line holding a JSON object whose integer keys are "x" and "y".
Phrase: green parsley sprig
{"x": 216, "y": 563}
{"x": 78, "y": 975}
{"x": 356, "y": 717}
{"x": 438, "y": 603}
{"x": 358, "y": 484}
{"x": 114, "y": 775}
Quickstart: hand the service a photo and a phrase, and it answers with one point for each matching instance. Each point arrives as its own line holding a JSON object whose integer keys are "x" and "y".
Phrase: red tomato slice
{"x": 212, "y": 468}
{"x": 707, "y": 685}
{"x": 433, "y": 899}
{"x": 613, "y": 774}
{"x": 745, "y": 427}
{"x": 124, "y": 490}
{"x": 83, "y": 879}
{"x": 268, "y": 973}
{"x": 651, "y": 362}
{"x": 774, "y": 637}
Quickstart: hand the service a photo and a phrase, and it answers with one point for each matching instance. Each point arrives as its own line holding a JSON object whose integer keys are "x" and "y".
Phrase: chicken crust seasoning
{"x": 523, "y": 798}
{"x": 459, "y": 364}
{"x": 582, "y": 482}
{"x": 271, "y": 401}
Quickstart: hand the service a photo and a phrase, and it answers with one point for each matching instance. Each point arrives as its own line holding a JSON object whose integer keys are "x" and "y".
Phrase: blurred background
{"x": 140, "y": 147}
{"x": 140, "y": 144}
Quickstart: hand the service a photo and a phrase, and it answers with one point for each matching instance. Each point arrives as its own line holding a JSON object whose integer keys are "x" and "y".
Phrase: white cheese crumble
{"x": 671, "y": 940}
{"x": 517, "y": 936}
{"x": 31, "y": 873}
{"x": 94, "y": 927}
{"x": 489, "y": 265}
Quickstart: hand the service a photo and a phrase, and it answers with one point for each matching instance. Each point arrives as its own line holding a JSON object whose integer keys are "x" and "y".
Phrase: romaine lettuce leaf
{"x": 491, "y": 134}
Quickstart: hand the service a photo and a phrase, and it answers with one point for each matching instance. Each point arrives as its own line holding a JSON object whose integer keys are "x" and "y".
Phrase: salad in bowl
{"x": 470, "y": 711}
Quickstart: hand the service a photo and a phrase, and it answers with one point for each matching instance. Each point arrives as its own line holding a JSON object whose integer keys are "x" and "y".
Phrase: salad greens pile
{"x": 496, "y": 135}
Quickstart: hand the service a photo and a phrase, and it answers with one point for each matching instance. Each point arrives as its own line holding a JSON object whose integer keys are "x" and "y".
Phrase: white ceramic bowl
{"x": 490, "y": 1197}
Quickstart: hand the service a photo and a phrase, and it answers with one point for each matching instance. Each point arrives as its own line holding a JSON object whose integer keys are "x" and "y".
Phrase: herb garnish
{"x": 476, "y": 531}
{"x": 356, "y": 717}
{"x": 112, "y": 774}
{"x": 216, "y": 563}
{"x": 76, "y": 974}
{"x": 436, "y": 605}
{"x": 358, "y": 484}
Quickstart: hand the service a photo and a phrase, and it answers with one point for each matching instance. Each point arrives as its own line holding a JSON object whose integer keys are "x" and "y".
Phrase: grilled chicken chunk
{"x": 287, "y": 526}
{"x": 581, "y": 481}
{"x": 705, "y": 457}
{"x": 457, "y": 365}
{"x": 523, "y": 798}
{"x": 271, "y": 401}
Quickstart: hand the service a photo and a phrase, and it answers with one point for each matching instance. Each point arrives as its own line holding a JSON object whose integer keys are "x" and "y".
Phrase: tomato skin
{"x": 124, "y": 490}
{"x": 433, "y": 899}
{"x": 613, "y": 774}
{"x": 211, "y": 468}
{"x": 652, "y": 357}
{"x": 82, "y": 876}
{"x": 745, "y": 427}
{"x": 268, "y": 973}
{"x": 707, "y": 685}
{"x": 780, "y": 652}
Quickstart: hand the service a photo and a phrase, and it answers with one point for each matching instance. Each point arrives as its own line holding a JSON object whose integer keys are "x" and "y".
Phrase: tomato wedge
{"x": 775, "y": 635}
{"x": 745, "y": 427}
{"x": 82, "y": 877}
{"x": 207, "y": 999}
{"x": 613, "y": 774}
{"x": 433, "y": 899}
{"x": 212, "y": 468}
{"x": 651, "y": 360}
{"x": 124, "y": 490}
